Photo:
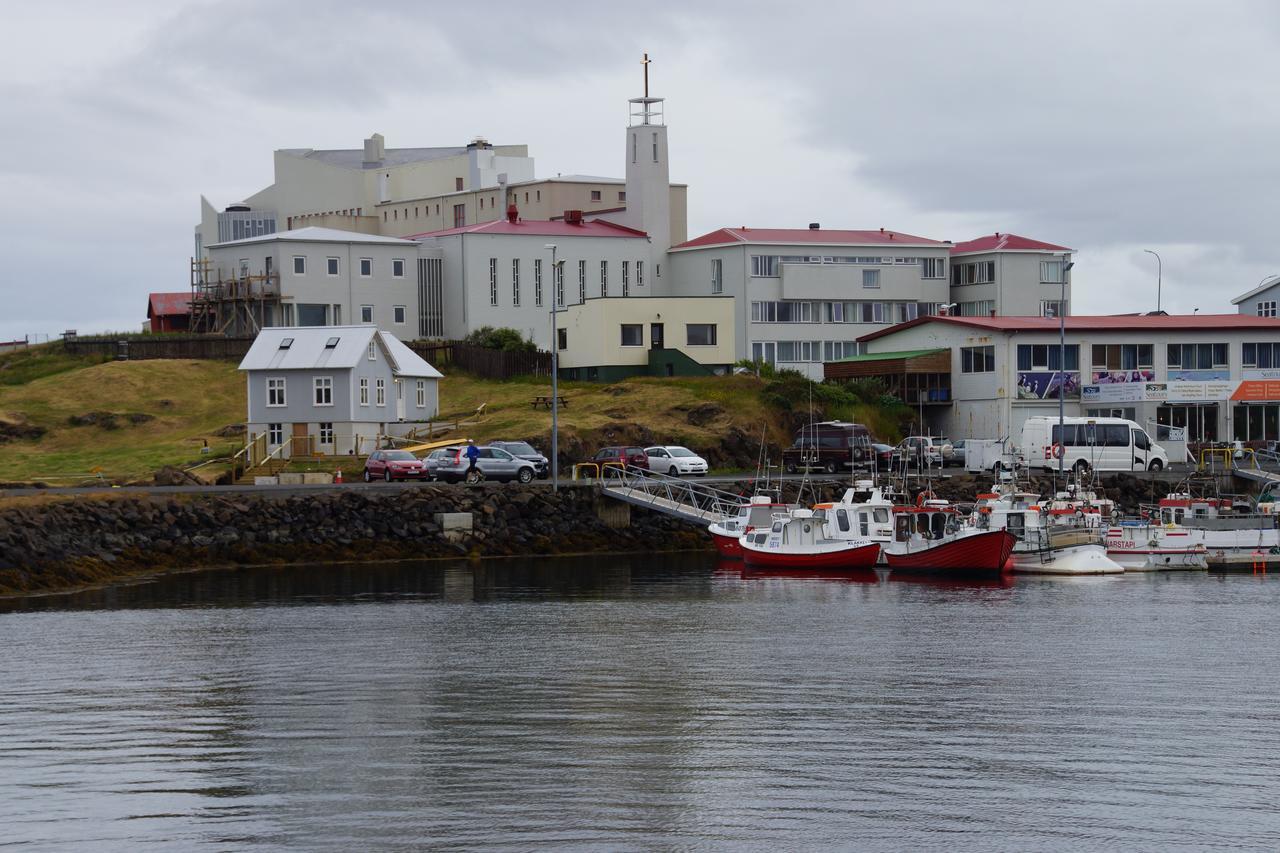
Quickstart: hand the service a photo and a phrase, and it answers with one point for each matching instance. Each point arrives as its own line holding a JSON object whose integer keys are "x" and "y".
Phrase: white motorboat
{"x": 801, "y": 540}
{"x": 756, "y": 513}
{"x": 1225, "y": 530}
{"x": 1045, "y": 544}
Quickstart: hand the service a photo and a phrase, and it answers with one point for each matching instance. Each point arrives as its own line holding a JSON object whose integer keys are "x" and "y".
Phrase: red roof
{"x": 539, "y": 228}
{"x": 1005, "y": 243}
{"x": 819, "y": 236}
{"x": 1099, "y": 323}
{"x": 168, "y": 304}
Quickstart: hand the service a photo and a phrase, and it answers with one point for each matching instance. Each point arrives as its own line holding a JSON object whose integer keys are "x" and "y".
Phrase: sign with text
{"x": 1257, "y": 391}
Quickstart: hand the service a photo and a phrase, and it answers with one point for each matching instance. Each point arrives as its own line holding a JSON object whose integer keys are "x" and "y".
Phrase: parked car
{"x": 883, "y": 455}
{"x": 675, "y": 460}
{"x": 494, "y": 462}
{"x": 393, "y": 465}
{"x": 831, "y": 446}
{"x": 436, "y": 458}
{"x": 630, "y": 457}
{"x": 957, "y": 453}
{"x": 924, "y": 450}
{"x": 525, "y": 450}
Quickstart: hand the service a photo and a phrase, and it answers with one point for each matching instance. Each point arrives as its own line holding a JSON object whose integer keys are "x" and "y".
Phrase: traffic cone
{"x": 337, "y": 476}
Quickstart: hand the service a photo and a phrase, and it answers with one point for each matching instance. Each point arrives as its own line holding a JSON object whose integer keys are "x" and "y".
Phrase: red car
{"x": 394, "y": 465}
{"x": 630, "y": 457}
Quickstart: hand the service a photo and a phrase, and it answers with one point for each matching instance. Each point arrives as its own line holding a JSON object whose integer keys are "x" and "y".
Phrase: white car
{"x": 675, "y": 460}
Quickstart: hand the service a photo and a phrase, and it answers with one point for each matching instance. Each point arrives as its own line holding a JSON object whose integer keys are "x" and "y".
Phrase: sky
{"x": 1108, "y": 127}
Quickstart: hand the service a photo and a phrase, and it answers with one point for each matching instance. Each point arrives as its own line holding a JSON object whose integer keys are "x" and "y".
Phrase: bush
{"x": 507, "y": 340}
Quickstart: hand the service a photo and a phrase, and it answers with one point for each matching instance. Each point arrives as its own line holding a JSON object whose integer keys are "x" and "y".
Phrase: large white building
{"x": 1217, "y": 376}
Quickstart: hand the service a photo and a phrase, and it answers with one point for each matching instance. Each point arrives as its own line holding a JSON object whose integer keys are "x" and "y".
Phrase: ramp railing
{"x": 686, "y": 499}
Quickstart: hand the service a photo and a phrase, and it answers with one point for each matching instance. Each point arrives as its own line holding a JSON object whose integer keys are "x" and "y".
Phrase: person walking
{"x": 473, "y": 453}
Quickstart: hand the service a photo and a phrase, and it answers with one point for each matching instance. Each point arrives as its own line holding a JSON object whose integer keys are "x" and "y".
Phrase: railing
{"x": 669, "y": 495}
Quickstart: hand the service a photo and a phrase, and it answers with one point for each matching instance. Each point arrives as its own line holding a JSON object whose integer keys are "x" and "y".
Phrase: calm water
{"x": 642, "y": 703}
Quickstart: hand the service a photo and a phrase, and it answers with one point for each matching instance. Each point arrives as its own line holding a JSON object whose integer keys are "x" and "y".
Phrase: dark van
{"x": 830, "y": 446}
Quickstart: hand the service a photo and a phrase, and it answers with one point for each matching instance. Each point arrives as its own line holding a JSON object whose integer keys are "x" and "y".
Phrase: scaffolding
{"x": 235, "y": 307}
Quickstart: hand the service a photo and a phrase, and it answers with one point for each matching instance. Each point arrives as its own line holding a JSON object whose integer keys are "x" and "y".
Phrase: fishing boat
{"x": 758, "y": 512}
{"x": 933, "y": 536}
{"x": 1045, "y": 544}
{"x": 1217, "y": 530}
{"x": 801, "y": 540}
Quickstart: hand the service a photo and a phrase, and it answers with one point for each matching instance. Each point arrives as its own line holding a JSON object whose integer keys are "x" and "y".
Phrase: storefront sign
{"x": 1257, "y": 391}
{"x": 1263, "y": 373}
{"x": 1112, "y": 377}
{"x": 1185, "y": 392}
{"x": 1125, "y": 392}
{"x": 1199, "y": 375}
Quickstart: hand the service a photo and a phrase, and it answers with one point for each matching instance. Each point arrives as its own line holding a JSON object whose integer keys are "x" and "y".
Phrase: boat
{"x": 801, "y": 540}
{"x": 758, "y": 512}
{"x": 1184, "y": 531}
{"x": 1139, "y": 547}
{"x": 933, "y": 536}
{"x": 1046, "y": 544}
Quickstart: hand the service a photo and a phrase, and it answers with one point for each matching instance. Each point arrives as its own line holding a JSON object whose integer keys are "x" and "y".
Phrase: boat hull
{"x": 1071, "y": 560}
{"x": 837, "y": 558}
{"x": 729, "y": 547}
{"x": 981, "y": 553}
{"x": 1160, "y": 559}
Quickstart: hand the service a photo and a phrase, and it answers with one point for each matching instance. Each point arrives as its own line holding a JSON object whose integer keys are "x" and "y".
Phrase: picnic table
{"x": 544, "y": 400}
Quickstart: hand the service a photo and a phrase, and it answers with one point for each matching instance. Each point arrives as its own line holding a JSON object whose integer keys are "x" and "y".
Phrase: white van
{"x": 1104, "y": 444}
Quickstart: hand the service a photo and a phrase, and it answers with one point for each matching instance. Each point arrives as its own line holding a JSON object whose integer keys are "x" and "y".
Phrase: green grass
{"x": 26, "y": 365}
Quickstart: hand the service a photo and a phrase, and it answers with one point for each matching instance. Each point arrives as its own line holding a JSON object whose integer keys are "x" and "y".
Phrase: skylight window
{"x": 331, "y": 343}
{"x": 286, "y": 343}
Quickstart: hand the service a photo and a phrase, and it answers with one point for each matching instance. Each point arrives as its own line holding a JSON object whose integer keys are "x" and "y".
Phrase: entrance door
{"x": 655, "y": 336}
{"x": 301, "y": 445}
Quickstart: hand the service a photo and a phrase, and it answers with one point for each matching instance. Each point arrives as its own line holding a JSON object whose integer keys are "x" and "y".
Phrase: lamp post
{"x": 1062, "y": 369}
{"x": 1159, "y": 276}
{"x": 555, "y": 372}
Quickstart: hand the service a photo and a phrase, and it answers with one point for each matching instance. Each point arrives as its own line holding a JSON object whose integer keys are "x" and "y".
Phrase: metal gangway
{"x": 682, "y": 498}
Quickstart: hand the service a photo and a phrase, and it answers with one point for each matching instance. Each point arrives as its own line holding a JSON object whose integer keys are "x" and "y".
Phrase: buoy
{"x": 337, "y": 476}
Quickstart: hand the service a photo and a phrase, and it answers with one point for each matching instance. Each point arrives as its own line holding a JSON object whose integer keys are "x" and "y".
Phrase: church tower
{"x": 648, "y": 173}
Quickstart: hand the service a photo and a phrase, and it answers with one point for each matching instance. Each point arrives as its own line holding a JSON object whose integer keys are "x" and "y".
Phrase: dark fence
{"x": 160, "y": 346}
{"x": 488, "y": 363}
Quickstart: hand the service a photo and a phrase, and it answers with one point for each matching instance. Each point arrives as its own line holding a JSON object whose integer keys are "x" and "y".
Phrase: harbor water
{"x": 641, "y": 702}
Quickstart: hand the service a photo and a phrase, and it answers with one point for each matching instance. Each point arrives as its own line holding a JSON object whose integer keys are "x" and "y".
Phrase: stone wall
{"x": 51, "y": 544}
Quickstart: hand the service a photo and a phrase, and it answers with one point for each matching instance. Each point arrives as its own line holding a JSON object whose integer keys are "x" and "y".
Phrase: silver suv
{"x": 926, "y": 449}
{"x": 494, "y": 462}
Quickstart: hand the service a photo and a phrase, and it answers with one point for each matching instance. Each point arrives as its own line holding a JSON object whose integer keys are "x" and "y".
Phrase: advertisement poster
{"x": 1121, "y": 392}
{"x": 1156, "y": 391}
{"x": 1190, "y": 392}
{"x": 1043, "y": 384}
{"x": 1112, "y": 377}
{"x": 1260, "y": 391}
{"x": 1199, "y": 375}
{"x": 1262, "y": 373}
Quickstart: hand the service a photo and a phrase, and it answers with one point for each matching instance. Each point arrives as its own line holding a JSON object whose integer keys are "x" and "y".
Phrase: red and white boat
{"x": 801, "y": 540}
{"x": 758, "y": 512}
{"x": 934, "y": 537}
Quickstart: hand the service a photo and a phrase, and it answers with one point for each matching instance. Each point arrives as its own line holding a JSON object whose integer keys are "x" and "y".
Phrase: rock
{"x": 704, "y": 413}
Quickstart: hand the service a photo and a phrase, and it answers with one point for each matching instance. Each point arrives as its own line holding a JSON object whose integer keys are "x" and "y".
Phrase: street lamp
{"x": 1062, "y": 369}
{"x": 1159, "y": 276}
{"x": 555, "y": 373}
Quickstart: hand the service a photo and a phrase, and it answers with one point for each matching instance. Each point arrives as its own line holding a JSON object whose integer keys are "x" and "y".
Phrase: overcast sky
{"x": 1107, "y": 127}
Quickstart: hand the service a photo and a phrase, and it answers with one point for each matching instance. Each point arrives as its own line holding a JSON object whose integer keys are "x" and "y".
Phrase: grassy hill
{"x": 64, "y": 420}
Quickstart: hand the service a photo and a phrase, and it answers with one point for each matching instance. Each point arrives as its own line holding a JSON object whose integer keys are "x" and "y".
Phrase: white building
{"x": 333, "y": 391}
{"x": 1009, "y": 275}
{"x": 1217, "y": 376}
{"x": 1262, "y": 300}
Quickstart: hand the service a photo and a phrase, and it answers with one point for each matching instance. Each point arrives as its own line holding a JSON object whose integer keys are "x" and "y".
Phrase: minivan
{"x": 1104, "y": 444}
{"x": 831, "y": 446}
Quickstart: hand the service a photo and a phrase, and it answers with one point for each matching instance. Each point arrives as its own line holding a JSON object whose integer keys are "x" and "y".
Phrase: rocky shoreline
{"x": 49, "y": 545}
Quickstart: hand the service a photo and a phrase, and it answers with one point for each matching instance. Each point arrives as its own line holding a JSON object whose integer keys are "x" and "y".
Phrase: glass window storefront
{"x": 1199, "y": 420}
{"x": 1255, "y": 422}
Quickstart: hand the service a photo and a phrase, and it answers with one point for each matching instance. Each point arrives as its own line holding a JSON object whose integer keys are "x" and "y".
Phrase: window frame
{"x": 282, "y": 387}
{"x": 420, "y": 394}
{"x": 717, "y": 276}
{"x": 332, "y": 266}
{"x": 296, "y": 259}
{"x": 688, "y": 334}
{"x": 493, "y": 282}
{"x": 364, "y": 390}
{"x": 978, "y": 359}
{"x": 322, "y": 392}
{"x": 639, "y": 329}
{"x": 380, "y": 392}
{"x": 366, "y": 311}
{"x": 398, "y": 314}
{"x": 398, "y": 263}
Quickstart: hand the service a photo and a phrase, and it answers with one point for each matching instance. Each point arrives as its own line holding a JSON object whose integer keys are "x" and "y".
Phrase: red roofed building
{"x": 169, "y": 312}
{"x": 1009, "y": 274}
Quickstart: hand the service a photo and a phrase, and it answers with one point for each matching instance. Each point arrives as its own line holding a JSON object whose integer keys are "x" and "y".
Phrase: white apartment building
{"x": 805, "y": 296}
{"x": 1263, "y": 300}
{"x": 1010, "y": 275}
{"x": 1216, "y": 376}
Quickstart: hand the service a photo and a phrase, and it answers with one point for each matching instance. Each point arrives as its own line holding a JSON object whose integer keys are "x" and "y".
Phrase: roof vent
{"x": 285, "y": 343}
{"x": 479, "y": 142}
{"x": 573, "y": 217}
{"x": 814, "y": 226}
{"x": 237, "y": 207}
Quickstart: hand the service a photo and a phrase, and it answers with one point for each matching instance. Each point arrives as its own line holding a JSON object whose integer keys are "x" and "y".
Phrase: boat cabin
{"x": 924, "y": 522}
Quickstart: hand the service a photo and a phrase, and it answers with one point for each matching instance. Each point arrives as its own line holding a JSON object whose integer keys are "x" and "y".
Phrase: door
{"x": 399, "y": 400}
{"x": 301, "y": 445}
{"x": 655, "y": 336}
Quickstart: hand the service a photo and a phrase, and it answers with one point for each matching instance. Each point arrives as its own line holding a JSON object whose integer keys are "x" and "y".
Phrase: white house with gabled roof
{"x": 1263, "y": 300}
{"x": 326, "y": 391}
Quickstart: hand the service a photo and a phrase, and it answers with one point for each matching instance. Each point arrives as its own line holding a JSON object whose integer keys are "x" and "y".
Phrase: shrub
{"x": 507, "y": 340}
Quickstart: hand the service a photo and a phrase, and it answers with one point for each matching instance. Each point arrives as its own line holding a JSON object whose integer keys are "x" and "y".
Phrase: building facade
{"x": 334, "y": 391}
{"x": 1215, "y": 376}
{"x": 1262, "y": 301}
{"x": 1010, "y": 275}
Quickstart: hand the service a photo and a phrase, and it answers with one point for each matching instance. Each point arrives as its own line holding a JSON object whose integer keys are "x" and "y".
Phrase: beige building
{"x": 607, "y": 339}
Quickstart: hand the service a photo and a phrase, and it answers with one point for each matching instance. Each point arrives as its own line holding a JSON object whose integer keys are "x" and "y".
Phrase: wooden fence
{"x": 160, "y": 346}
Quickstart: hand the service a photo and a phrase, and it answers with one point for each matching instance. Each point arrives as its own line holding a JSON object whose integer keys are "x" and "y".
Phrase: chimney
{"x": 814, "y": 226}
{"x": 375, "y": 151}
{"x": 993, "y": 312}
{"x": 513, "y": 213}
{"x": 573, "y": 217}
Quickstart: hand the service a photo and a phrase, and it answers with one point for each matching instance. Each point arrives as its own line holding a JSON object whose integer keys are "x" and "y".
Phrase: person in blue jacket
{"x": 473, "y": 453}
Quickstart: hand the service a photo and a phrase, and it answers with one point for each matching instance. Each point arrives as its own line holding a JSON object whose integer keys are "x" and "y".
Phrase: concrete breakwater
{"x": 48, "y": 545}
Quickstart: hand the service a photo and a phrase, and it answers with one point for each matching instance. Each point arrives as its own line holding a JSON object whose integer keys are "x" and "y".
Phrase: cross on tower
{"x": 645, "y": 63}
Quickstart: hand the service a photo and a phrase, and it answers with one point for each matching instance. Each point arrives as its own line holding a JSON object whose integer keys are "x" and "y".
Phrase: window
{"x": 639, "y": 273}
{"x": 397, "y": 267}
{"x": 364, "y": 391}
{"x": 933, "y": 268}
{"x": 622, "y": 195}
{"x": 595, "y": 195}
{"x": 331, "y": 266}
{"x": 655, "y": 148}
{"x": 977, "y": 359}
{"x": 558, "y": 274}
{"x": 515, "y": 282}
{"x": 784, "y": 312}
{"x": 275, "y": 434}
{"x": 632, "y": 335}
{"x": 626, "y": 278}
{"x": 323, "y": 390}
{"x": 604, "y": 278}
{"x": 366, "y": 267}
{"x": 1260, "y": 355}
{"x": 700, "y": 334}
{"x": 1047, "y": 357}
{"x": 397, "y": 314}
{"x": 1051, "y": 272}
{"x": 1123, "y": 356}
{"x": 717, "y": 278}
{"x": 562, "y": 338}
{"x": 299, "y": 265}
{"x": 1197, "y": 356}
{"x": 871, "y": 312}
{"x": 836, "y": 350}
{"x": 871, "y": 279}
{"x": 982, "y": 272}
{"x": 421, "y": 394}
{"x": 537, "y": 282}
{"x": 799, "y": 351}
{"x": 337, "y": 315}
{"x": 657, "y": 270}
{"x": 373, "y": 351}
{"x": 457, "y": 185}
{"x": 1053, "y": 308}
{"x": 326, "y": 433}
{"x": 582, "y": 281}
{"x": 459, "y": 214}
{"x": 980, "y": 308}
{"x": 633, "y": 148}
{"x": 763, "y": 266}
{"x": 380, "y": 392}
{"x": 1267, "y": 309}
{"x": 366, "y": 313}
{"x": 493, "y": 281}
{"x": 275, "y": 392}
